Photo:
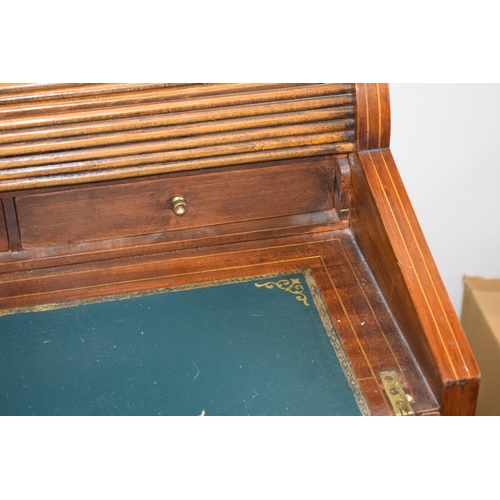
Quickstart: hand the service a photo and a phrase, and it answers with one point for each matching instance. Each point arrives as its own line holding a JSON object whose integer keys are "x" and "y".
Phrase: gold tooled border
{"x": 145, "y": 293}
{"x": 335, "y": 342}
{"x": 311, "y": 284}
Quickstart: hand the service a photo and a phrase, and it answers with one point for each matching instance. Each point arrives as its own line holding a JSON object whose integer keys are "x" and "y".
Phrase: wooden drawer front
{"x": 4, "y": 241}
{"x": 113, "y": 211}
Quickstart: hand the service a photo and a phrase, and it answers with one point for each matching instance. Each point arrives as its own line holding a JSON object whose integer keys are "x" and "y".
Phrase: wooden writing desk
{"x": 110, "y": 189}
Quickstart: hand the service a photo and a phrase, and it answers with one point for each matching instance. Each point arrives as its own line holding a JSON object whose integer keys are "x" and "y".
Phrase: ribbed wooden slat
{"x": 178, "y": 119}
{"x": 178, "y": 144}
{"x": 178, "y": 106}
{"x": 57, "y": 106}
{"x": 129, "y": 130}
{"x": 151, "y": 134}
{"x": 180, "y": 154}
{"x": 32, "y": 88}
{"x": 42, "y": 92}
{"x": 197, "y": 164}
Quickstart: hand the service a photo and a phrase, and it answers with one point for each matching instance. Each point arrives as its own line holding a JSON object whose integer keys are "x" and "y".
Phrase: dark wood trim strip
{"x": 12, "y": 223}
{"x": 4, "y": 240}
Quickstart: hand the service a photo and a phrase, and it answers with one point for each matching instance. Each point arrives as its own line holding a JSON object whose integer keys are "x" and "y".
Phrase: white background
{"x": 445, "y": 140}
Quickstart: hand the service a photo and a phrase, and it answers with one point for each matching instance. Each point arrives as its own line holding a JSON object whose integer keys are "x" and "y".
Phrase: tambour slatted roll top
{"x": 54, "y": 134}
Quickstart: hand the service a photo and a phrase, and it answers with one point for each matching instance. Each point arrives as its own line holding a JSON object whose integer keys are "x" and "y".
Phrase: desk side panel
{"x": 390, "y": 237}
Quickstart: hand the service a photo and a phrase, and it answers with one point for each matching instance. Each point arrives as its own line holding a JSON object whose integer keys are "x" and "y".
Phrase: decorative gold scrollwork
{"x": 292, "y": 286}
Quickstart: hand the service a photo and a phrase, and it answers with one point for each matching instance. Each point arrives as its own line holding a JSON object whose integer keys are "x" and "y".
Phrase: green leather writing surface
{"x": 261, "y": 345}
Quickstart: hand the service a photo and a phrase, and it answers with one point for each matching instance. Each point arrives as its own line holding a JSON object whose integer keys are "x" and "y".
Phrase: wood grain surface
{"x": 171, "y": 151}
{"x": 282, "y": 108}
{"x": 137, "y": 138}
{"x": 12, "y": 106}
{"x": 392, "y": 241}
{"x": 120, "y": 210}
{"x": 30, "y": 92}
{"x": 166, "y": 101}
{"x": 373, "y": 116}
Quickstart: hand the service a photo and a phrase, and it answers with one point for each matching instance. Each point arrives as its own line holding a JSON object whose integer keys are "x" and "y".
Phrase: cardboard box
{"x": 481, "y": 323}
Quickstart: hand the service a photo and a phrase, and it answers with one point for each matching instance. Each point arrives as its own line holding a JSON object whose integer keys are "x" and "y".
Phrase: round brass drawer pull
{"x": 179, "y": 205}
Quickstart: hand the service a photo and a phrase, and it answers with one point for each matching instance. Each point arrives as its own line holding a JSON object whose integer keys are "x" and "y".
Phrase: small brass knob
{"x": 179, "y": 205}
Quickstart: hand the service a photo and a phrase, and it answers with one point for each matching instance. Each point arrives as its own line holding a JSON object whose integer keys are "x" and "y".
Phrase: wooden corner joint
{"x": 342, "y": 188}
